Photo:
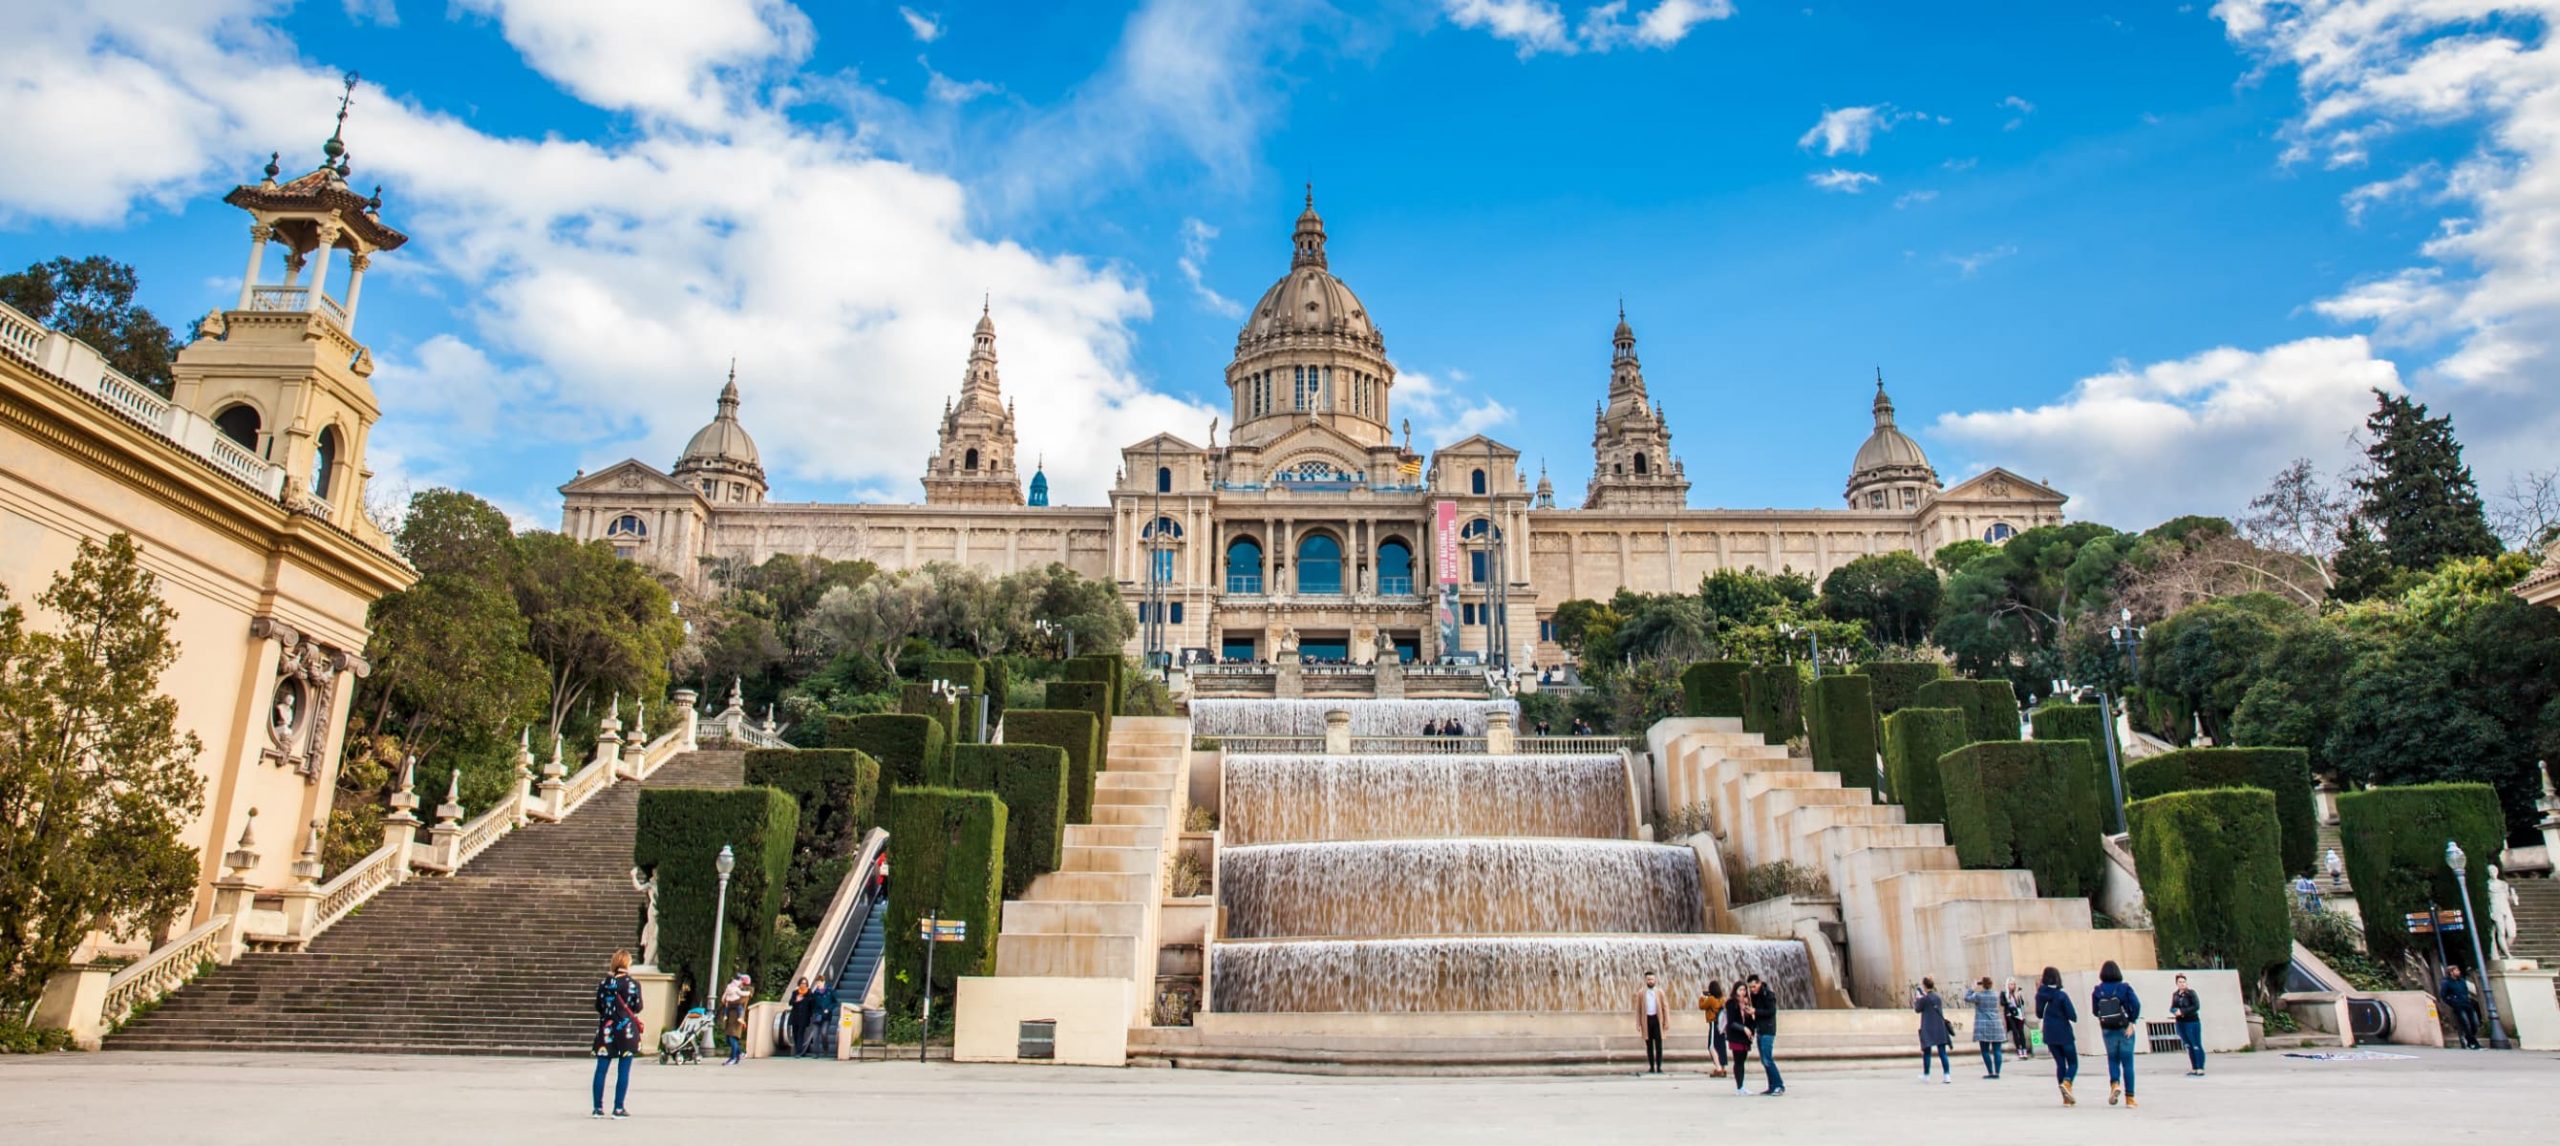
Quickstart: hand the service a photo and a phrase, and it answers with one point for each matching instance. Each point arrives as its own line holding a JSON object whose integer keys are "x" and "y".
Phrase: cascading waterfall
{"x": 1380, "y": 888}
{"x": 1557, "y": 973}
{"x": 1211, "y": 717}
{"x": 1285, "y": 798}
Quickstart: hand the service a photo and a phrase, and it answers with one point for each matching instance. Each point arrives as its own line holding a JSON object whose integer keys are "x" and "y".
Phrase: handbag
{"x": 638, "y": 1028}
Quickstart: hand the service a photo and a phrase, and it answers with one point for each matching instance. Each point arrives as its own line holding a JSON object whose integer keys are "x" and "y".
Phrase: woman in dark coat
{"x": 617, "y": 1031}
{"x": 1737, "y": 1033}
{"x": 2054, "y": 1009}
{"x": 1934, "y": 1035}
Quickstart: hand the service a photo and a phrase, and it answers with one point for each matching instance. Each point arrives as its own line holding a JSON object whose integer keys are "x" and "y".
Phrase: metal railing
{"x": 167, "y": 969}
{"x": 841, "y": 930}
{"x": 1249, "y": 584}
{"x": 1395, "y": 586}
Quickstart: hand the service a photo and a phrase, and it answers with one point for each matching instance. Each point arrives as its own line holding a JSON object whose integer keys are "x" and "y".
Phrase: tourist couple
{"x": 1734, "y": 1024}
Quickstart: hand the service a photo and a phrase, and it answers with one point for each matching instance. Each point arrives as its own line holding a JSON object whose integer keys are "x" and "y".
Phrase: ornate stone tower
{"x": 1891, "y": 472}
{"x": 1631, "y": 463}
{"x": 281, "y": 375}
{"x": 1039, "y": 485}
{"x": 1308, "y": 353}
{"x": 721, "y": 460}
{"x": 973, "y": 465}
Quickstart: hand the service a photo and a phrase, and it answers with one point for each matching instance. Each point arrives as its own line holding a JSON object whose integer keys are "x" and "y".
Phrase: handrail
{"x": 594, "y": 778}
{"x": 486, "y": 829}
{"x": 841, "y": 928}
{"x": 1575, "y": 745}
{"x": 350, "y": 889}
{"x": 164, "y": 970}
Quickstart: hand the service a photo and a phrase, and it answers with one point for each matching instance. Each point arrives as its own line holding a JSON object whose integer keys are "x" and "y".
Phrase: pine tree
{"x": 2362, "y": 568}
{"x": 2418, "y": 496}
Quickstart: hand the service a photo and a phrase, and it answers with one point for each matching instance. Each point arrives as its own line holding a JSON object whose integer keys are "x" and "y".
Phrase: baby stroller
{"x": 688, "y": 1042}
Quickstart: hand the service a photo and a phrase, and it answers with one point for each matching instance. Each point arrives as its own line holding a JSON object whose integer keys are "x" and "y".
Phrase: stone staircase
{"x": 1095, "y": 917}
{"x": 2538, "y": 923}
{"x": 499, "y": 958}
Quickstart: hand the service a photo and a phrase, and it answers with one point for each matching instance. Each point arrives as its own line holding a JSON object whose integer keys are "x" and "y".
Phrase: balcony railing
{"x": 294, "y": 298}
{"x": 1246, "y": 583}
{"x": 1395, "y": 586}
{"x": 80, "y": 365}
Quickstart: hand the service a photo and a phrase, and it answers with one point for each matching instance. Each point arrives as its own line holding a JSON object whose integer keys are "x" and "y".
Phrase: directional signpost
{"x": 934, "y": 932}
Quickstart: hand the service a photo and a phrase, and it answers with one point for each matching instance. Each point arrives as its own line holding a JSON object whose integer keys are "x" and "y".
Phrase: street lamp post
{"x": 2115, "y": 757}
{"x": 1813, "y": 646}
{"x": 2455, "y": 859}
{"x": 959, "y": 694}
{"x": 1052, "y": 628}
{"x": 728, "y": 862}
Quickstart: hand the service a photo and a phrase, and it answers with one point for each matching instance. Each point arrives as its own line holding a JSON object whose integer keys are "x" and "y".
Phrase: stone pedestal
{"x": 75, "y": 1000}
{"x": 1500, "y": 738}
{"x": 1390, "y": 677}
{"x": 1289, "y": 680}
{"x": 657, "y": 1004}
{"x": 1337, "y": 733}
{"x": 2526, "y": 1006}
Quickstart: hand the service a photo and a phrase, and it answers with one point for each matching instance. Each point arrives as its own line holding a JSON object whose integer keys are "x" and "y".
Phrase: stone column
{"x": 635, "y": 747}
{"x": 445, "y": 839}
{"x": 2549, "y": 806}
{"x": 234, "y": 895}
{"x": 259, "y": 233}
{"x": 689, "y": 724}
{"x": 1500, "y": 739}
{"x": 75, "y": 999}
{"x": 320, "y": 266}
{"x": 400, "y": 828}
{"x": 356, "y": 263}
{"x": 302, "y": 898}
{"x": 523, "y": 809}
{"x": 1337, "y": 732}
{"x": 609, "y": 738}
{"x": 555, "y": 785}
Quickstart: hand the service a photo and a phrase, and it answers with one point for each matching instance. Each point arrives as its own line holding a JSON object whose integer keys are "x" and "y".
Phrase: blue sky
{"x": 2147, "y": 251}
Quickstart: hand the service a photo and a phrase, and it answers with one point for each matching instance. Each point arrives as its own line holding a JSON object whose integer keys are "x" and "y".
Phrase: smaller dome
{"x": 723, "y": 447}
{"x": 1889, "y": 454}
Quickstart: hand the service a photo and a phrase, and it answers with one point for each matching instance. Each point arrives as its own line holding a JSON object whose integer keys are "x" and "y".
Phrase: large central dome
{"x": 1309, "y": 350}
{"x": 1309, "y": 300}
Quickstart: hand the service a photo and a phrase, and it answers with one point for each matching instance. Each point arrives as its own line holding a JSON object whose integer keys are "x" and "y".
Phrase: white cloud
{"x": 2021, "y": 109}
{"x": 2360, "y": 199}
{"x": 926, "y": 28}
{"x": 661, "y": 58}
{"x": 2138, "y": 445}
{"x": 1847, "y": 129}
{"x": 1196, "y": 236}
{"x": 1967, "y": 265}
{"x": 1441, "y": 411}
{"x": 1842, "y": 180}
{"x": 1913, "y": 198}
{"x": 1965, "y": 164}
{"x": 380, "y": 12}
{"x": 943, "y": 89}
{"x": 1536, "y": 26}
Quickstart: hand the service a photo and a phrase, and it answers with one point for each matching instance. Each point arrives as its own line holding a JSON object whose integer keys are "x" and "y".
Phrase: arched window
{"x": 1244, "y": 566}
{"x": 1160, "y": 558}
{"x": 324, "y": 462}
{"x": 969, "y": 461}
{"x": 1475, "y": 482}
{"x": 1395, "y": 567}
{"x": 628, "y": 525}
{"x": 1479, "y": 557}
{"x": 1319, "y": 564}
{"x": 1639, "y": 465}
{"x": 239, "y": 422}
{"x": 1164, "y": 479}
{"x": 1999, "y": 532}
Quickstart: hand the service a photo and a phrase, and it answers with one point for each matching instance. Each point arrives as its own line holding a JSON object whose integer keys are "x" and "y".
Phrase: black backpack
{"x": 2109, "y": 1010}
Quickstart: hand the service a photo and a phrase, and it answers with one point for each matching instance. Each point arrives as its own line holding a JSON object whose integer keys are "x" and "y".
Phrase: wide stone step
{"x": 1092, "y": 887}
{"x": 1113, "y": 836}
{"x": 1070, "y": 956}
{"x": 1111, "y": 859}
{"x": 1030, "y": 917}
{"x": 1132, "y": 815}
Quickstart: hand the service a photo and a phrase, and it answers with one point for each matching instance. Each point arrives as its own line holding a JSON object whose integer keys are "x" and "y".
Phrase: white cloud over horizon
{"x": 1843, "y": 180}
{"x": 1536, "y": 26}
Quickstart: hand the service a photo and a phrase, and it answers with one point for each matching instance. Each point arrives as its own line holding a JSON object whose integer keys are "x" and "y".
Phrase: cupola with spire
{"x": 972, "y": 462}
{"x": 1891, "y": 471}
{"x": 1309, "y": 351}
{"x": 721, "y": 459}
{"x": 1631, "y": 463}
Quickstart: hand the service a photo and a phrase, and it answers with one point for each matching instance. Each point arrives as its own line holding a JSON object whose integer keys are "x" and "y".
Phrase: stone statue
{"x": 284, "y": 714}
{"x": 2502, "y": 912}
{"x": 1408, "y": 435}
{"x": 1213, "y": 433}
{"x": 649, "y": 915}
{"x": 1386, "y": 644}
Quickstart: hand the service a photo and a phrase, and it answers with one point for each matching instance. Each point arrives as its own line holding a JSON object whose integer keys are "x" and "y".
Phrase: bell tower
{"x": 1631, "y": 463}
{"x": 281, "y": 373}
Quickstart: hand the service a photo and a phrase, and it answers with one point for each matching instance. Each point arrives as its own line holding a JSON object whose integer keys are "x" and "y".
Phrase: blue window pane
{"x": 1319, "y": 564}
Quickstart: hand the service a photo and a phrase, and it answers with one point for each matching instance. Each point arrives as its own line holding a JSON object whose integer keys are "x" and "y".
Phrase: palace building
{"x": 1316, "y": 521}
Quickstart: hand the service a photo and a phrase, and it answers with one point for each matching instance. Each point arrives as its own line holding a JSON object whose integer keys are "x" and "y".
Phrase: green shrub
{"x": 999, "y": 688}
{"x": 1781, "y": 877}
{"x": 1712, "y": 688}
{"x": 2284, "y": 772}
{"x": 2026, "y": 804}
{"x": 2211, "y": 878}
{"x": 1093, "y": 697}
{"x": 1914, "y": 739}
{"x": 2086, "y": 723}
{"x": 946, "y": 855}
{"x": 909, "y": 747}
{"x": 919, "y": 699}
{"x": 1032, "y": 780}
{"x": 1773, "y": 703}
{"x": 1074, "y": 730}
{"x": 961, "y": 673}
{"x": 19, "y": 1039}
{"x": 2161, "y": 714}
{"x": 1755, "y": 718}
{"x": 1990, "y": 706}
{"x": 1897, "y": 683}
{"x": 966, "y": 673}
{"x": 679, "y": 837}
{"x": 2394, "y": 843}
{"x": 1842, "y": 722}
{"x": 834, "y": 789}
{"x": 1105, "y": 668}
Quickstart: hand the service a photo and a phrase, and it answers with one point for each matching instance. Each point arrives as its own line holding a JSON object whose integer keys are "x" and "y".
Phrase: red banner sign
{"x": 1447, "y": 513}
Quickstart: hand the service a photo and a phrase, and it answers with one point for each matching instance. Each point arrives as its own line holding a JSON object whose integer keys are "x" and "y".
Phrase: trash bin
{"x": 875, "y": 1026}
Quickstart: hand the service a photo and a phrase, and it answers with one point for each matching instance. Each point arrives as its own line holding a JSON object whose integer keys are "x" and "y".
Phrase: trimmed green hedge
{"x": 2283, "y": 772}
{"x": 1073, "y": 730}
{"x": 919, "y": 700}
{"x": 2088, "y": 724}
{"x": 999, "y": 683}
{"x": 1032, "y": 779}
{"x": 1712, "y": 688}
{"x": 909, "y": 746}
{"x": 1914, "y": 739}
{"x": 679, "y": 837}
{"x": 1091, "y": 696}
{"x": 2212, "y": 880}
{"x": 946, "y": 854}
{"x": 1842, "y": 721}
{"x": 1897, "y": 683}
{"x": 834, "y": 789}
{"x": 1773, "y": 703}
{"x": 2026, "y": 804}
{"x": 1990, "y": 706}
{"x": 2394, "y": 843}
{"x": 968, "y": 674}
{"x": 1104, "y": 668}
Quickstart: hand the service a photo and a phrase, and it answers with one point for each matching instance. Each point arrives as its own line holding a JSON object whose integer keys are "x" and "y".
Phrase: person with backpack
{"x": 1990, "y": 1029}
{"x": 1711, "y": 1006}
{"x": 2119, "y": 1014}
{"x": 617, "y": 1032}
{"x": 1934, "y": 1035}
{"x": 2185, "y": 1007}
{"x": 2054, "y": 1010}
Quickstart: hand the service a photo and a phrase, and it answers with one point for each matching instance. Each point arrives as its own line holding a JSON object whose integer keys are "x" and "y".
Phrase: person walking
{"x": 1934, "y": 1035}
{"x": 1737, "y": 1032}
{"x": 1711, "y": 1007}
{"x": 2187, "y": 1009}
{"x": 2119, "y": 1014}
{"x": 2054, "y": 1010}
{"x": 1990, "y": 1026}
{"x": 2337, "y": 869}
{"x": 2464, "y": 1004}
{"x": 617, "y": 1032}
{"x": 813, "y": 1027}
{"x": 2013, "y": 1010}
{"x": 733, "y": 1015}
{"x": 1764, "y": 1031}
{"x": 1649, "y": 1022}
{"x": 796, "y": 1024}
{"x": 2308, "y": 892}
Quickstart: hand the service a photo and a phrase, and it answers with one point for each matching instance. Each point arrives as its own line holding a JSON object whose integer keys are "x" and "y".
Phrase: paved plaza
{"x": 2437, "y": 1096}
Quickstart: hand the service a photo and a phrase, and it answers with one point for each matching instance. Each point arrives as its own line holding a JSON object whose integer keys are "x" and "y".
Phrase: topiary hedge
{"x": 679, "y": 837}
{"x": 1773, "y": 703}
{"x": 2283, "y": 772}
{"x": 963, "y": 673}
{"x": 999, "y": 685}
{"x": 2394, "y": 843}
{"x": 1914, "y": 739}
{"x": 1104, "y": 668}
{"x": 946, "y": 855}
{"x": 1990, "y": 706}
{"x": 1093, "y": 697}
{"x": 1897, "y": 683}
{"x": 919, "y": 700}
{"x": 1712, "y": 688}
{"x": 1075, "y": 731}
{"x": 2086, "y": 723}
{"x": 2026, "y": 804}
{"x": 834, "y": 789}
{"x": 909, "y": 747}
{"x": 1841, "y": 719}
{"x": 2212, "y": 880}
{"x": 1032, "y": 780}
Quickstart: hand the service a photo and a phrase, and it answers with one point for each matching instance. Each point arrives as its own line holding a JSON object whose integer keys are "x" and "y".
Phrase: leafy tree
{"x": 2417, "y": 494}
{"x": 1953, "y": 556}
{"x": 2207, "y": 655}
{"x": 1668, "y": 627}
{"x": 95, "y": 778}
{"x": 599, "y": 624}
{"x": 1738, "y": 595}
{"x": 1895, "y": 595}
{"x": 1582, "y": 619}
{"x": 1089, "y": 607}
{"x": 449, "y": 653}
{"x": 2298, "y": 514}
{"x": 2362, "y": 568}
{"x": 91, "y": 300}
{"x": 2007, "y": 612}
{"x": 449, "y": 531}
